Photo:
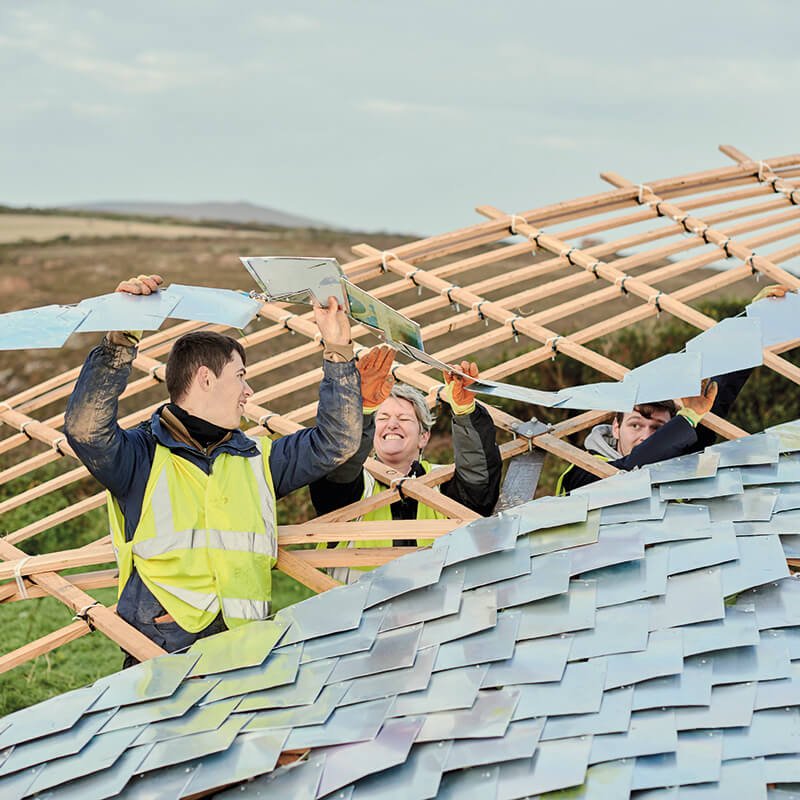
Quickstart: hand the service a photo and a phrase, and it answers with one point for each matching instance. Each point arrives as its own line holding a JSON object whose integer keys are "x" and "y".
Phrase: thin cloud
{"x": 287, "y": 23}
{"x": 395, "y": 108}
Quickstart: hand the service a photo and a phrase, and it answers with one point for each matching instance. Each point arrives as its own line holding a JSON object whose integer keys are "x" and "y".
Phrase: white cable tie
{"x": 23, "y": 592}
{"x": 5, "y": 405}
{"x": 57, "y": 442}
{"x": 153, "y": 371}
{"x": 641, "y": 187}
{"x": 384, "y": 254}
{"x": 513, "y": 225}
{"x": 761, "y": 166}
{"x": 25, "y": 425}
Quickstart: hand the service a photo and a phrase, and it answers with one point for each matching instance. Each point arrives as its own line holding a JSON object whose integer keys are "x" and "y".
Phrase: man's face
{"x": 229, "y": 391}
{"x": 635, "y": 428}
{"x": 398, "y": 436}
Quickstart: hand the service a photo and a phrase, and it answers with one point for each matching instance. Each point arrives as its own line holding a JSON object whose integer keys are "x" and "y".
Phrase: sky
{"x": 392, "y": 116}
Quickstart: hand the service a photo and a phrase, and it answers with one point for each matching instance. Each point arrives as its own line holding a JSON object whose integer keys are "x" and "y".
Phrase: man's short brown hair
{"x": 195, "y": 350}
{"x": 648, "y": 409}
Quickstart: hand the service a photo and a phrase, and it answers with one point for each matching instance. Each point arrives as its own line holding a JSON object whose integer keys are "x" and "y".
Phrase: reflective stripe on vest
{"x": 204, "y": 543}
{"x": 560, "y": 490}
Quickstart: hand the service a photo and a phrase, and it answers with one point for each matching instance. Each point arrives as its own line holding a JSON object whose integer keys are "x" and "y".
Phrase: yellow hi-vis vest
{"x": 204, "y": 543}
{"x": 382, "y": 514}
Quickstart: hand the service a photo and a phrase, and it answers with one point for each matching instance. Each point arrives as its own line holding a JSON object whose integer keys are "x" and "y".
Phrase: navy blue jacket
{"x": 121, "y": 459}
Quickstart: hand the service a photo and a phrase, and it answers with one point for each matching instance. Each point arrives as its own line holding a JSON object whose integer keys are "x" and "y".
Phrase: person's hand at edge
{"x": 776, "y": 290}
{"x": 376, "y": 377}
{"x": 141, "y": 285}
{"x": 695, "y": 408}
{"x": 461, "y": 399}
{"x": 332, "y": 322}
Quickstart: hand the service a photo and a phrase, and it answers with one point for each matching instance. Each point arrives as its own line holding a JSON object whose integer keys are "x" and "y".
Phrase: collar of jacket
{"x": 601, "y": 441}
{"x": 169, "y": 432}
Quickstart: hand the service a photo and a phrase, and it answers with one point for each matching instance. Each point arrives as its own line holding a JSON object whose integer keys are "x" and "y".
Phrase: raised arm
{"x": 476, "y": 481}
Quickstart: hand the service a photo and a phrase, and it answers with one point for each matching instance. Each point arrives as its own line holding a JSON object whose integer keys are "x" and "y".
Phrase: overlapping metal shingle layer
{"x": 639, "y": 638}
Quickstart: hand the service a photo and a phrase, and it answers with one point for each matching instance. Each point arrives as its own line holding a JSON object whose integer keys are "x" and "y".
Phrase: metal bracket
{"x": 533, "y": 427}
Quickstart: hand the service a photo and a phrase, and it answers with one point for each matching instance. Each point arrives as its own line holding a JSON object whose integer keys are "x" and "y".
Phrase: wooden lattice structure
{"x": 670, "y": 227}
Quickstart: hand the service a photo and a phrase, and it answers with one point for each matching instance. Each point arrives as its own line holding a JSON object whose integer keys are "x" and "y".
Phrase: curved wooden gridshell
{"x": 672, "y": 227}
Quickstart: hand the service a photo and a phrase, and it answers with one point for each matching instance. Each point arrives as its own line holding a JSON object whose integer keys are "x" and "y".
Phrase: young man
{"x": 191, "y": 498}
{"x": 397, "y": 424}
{"x": 658, "y": 431}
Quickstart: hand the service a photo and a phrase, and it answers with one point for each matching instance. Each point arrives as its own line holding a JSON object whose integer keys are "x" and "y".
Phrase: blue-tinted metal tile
{"x": 777, "y": 316}
{"x": 737, "y": 629}
{"x": 555, "y": 765}
{"x": 490, "y": 716}
{"x": 218, "y": 306}
{"x": 780, "y": 693}
{"x": 766, "y": 661}
{"x": 672, "y": 375}
{"x": 780, "y": 522}
{"x": 99, "y": 754}
{"x": 696, "y": 760}
{"x": 614, "y": 716}
{"x": 560, "y": 537}
{"x": 307, "y": 686}
{"x": 497, "y": 567}
{"x": 776, "y": 605}
{"x": 748, "y": 451}
{"x": 533, "y": 661}
{"x": 150, "y": 680}
{"x": 448, "y": 690}
{"x": 480, "y": 537}
{"x": 429, "y": 602}
{"x": 286, "y": 277}
{"x": 340, "y": 644}
{"x": 495, "y": 644}
{"x": 663, "y": 656}
{"x": 315, "y": 714}
{"x": 245, "y": 646}
{"x": 605, "y": 396}
{"x": 573, "y": 611}
{"x": 279, "y": 669}
{"x": 333, "y": 611}
{"x": 520, "y": 741}
{"x": 791, "y": 545}
{"x": 478, "y": 783}
{"x": 298, "y": 781}
{"x": 51, "y": 716}
{"x": 649, "y": 508}
{"x": 198, "y": 720}
{"x": 405, "y": 574}
{"x": 632, "y": 580}
{"x": 720, "y": 547}
{"x": 650, "y": 732}
{"x": 57, "y": 745}
{"x": 691, "y": 597}
{"x": 608, "y": 781}
{"x": 690, "y": 467}
{"x": 551, "y": 512}
{"x": 788, "y": 434}
{"x": 732, "y": 344}
{"x": 580, "y": 691}
{"x": 788, "y": 499}
{"x": 386, "y": 684}
{"x": 617, "y": 629}
{"x": 624, "y": 487}
{"x": 168, "y": 783}
{"x": 613, "y": 547}
{"x": 753, "y": 505}
{"x": 477, "y": 613}
{"x": 786, "y": 471}
{"x": 392, "y": 650}
{"x": 761, "y": 559}
{"x": 349, "y": 724}
{"x": 681, "y": 521}
{"x": 783, "y": 769}
{"x": 249, "y": 755}
{"x": 15, "y": 787}
{"x": 418, "y": 777}
{"x": 692, "y": 687}
{"x": 730, "y": 707}
{"x": 725, "y": 482}
{"x": 187, "y": 695}
{"x": 125, "y": 312}
{"x": 47, "y": 326}
{"x": 770, "y": 732}
{"x": 549, "y": 576}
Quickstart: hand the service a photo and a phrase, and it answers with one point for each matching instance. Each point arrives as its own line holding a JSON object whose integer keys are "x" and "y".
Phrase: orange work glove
{"x": 376, "y": 377}
{"x": 144, "y": 284}
{"x": 461, "y": 399}
{"x": 775, "y": 290}
{"x": 695, "y": 408}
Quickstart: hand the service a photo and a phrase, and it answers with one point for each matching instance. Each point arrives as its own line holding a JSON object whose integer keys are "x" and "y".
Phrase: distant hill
{"x": 240, "y": 213}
